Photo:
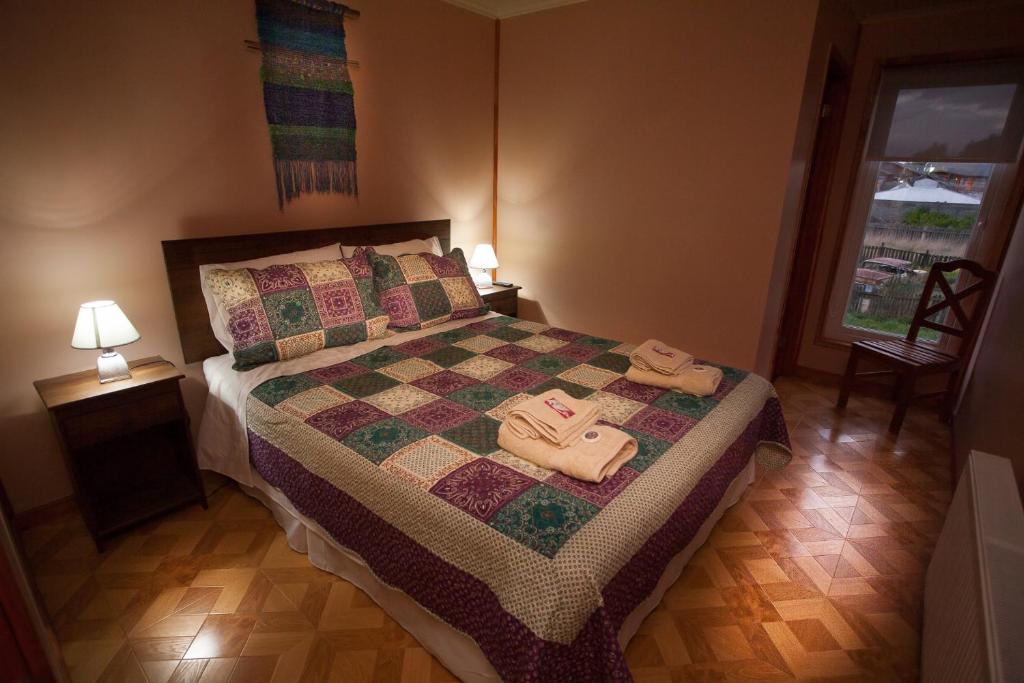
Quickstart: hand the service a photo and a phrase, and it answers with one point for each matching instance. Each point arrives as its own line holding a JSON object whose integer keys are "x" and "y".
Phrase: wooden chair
{"x": 910, "y": 359}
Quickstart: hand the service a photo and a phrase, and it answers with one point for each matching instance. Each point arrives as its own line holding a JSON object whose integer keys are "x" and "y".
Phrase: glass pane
{"x": 947, "y": 123}
{"x": 921, "y": 213}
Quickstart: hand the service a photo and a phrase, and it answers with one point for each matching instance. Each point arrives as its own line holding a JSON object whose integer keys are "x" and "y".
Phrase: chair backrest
{"x": 968, "y": 317}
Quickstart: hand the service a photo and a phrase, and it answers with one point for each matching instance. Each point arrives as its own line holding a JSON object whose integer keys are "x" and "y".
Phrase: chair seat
{"x": 915, "y": 354}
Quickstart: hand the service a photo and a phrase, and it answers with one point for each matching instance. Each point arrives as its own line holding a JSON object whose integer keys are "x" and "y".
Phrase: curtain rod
{"x": 255, "y": 45}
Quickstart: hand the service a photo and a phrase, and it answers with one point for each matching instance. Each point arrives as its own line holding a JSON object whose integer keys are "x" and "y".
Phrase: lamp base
{"x": 112, "y": 367}
{"x": 482, "y": 280}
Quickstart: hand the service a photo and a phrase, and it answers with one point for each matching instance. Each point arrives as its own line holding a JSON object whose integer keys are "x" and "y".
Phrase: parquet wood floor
{"x": 816, "y": 574}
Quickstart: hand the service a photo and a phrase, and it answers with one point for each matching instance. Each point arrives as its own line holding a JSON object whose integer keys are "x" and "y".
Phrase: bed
{"x": 380, "y": 460}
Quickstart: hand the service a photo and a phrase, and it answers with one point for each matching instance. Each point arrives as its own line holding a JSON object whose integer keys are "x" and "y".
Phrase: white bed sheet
{"x": 223, "y": 444}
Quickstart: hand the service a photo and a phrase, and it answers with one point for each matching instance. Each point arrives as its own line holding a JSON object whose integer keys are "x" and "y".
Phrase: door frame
{"x": 827, "y": 136}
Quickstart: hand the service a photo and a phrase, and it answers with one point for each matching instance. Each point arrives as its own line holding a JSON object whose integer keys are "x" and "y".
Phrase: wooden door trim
{"x": 824, "y": 154}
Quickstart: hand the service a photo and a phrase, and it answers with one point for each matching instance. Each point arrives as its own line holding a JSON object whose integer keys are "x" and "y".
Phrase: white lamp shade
{"x": 102, "y": 325}
{"x": 483, "y": 257}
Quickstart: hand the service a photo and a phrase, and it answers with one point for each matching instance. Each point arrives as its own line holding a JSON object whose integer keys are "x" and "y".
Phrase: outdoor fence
{"x": 881, "y": 306}
{"x": 910, "y": 233}
{"x": 923, "y": 261}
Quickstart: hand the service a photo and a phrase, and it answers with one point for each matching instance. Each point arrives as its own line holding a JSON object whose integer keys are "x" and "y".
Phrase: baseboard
{"x": 48, "y": 512}
{"x": 55, "y": 509}
{"x": 815, "y": 375}
{"x": 871, "y": 388}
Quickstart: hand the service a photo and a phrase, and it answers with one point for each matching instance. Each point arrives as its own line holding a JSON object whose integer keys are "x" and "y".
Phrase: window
{"x": 937, "y": 167}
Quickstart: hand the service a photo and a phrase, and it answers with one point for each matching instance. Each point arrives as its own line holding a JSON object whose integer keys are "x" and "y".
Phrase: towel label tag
{"x": 591, "y": 436}
{"x": 559, "y": 408}
{"x": 663, "y": 352}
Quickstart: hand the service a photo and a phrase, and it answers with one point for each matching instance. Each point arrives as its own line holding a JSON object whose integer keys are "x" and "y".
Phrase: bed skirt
{"x": 454, "y": 649}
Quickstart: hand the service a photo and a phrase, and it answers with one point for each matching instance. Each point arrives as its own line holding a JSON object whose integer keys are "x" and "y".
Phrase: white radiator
{"x": 974, "y": 589}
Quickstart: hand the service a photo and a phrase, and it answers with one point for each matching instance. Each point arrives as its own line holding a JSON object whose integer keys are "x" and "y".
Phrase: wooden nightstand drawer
{"x": 120, "y": 418}
{"x": 503, "y": 300}
{"x": 506, "y": 306}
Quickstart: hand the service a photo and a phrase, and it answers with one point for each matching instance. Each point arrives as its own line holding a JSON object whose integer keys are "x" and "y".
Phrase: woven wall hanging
{"x": 307, "y": 93}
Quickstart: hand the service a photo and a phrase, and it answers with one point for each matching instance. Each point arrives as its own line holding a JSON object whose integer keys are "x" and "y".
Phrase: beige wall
{"x": 125, "y": 123}
{"x": 966, "y": 32}
{"x": 644, "y": 158}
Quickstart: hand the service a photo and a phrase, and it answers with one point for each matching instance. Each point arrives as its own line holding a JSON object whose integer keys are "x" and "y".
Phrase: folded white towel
{"x": 553, "y": 415}
{"x": 699, "y": 380}
{"x": 595, "y": 455}
{"x": 656, "y": 356}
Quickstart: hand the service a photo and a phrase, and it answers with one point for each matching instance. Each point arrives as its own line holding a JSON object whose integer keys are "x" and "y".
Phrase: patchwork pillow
{"x": 290, "y": 310}
{"x": 422, "y": 290}
{"x": 219, "y": 323}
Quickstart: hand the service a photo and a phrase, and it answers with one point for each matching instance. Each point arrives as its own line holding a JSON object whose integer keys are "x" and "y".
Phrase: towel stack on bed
{"x": 559, "y": 432}
{"x": 660, "y": 365}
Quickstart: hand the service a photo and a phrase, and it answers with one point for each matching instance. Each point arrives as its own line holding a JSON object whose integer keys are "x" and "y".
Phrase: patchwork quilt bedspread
{"x": 395, "y": 454}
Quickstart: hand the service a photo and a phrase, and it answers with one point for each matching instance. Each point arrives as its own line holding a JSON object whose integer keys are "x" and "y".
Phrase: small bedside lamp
{"x": 103, "y": 325}
{"x": 485, "y": 259}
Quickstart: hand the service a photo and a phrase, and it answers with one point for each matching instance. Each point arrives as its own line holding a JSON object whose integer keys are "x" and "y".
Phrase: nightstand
{"x": 504, "y": 300}
{"x": 126, "y": 444}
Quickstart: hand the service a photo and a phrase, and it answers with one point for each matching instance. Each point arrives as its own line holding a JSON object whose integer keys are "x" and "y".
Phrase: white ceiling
{"x": 503, "y": 9}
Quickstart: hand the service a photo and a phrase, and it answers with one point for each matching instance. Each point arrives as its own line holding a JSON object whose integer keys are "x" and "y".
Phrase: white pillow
{"x": 432, "y": 245}
{"x": 218, "y": 318}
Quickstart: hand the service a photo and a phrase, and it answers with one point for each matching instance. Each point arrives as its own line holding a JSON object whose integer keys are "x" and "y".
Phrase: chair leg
{"x": 894, "y": 390}
{"x": 949, "y": 400}
{"x": 906, "y": 392}
{"x": 848, "y": 379}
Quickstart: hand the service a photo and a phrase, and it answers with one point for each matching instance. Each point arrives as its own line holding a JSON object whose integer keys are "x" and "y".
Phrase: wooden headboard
{"x": 183, "y": 258}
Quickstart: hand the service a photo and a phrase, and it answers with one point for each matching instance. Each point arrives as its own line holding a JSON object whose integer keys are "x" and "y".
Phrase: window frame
{"x": 995, "y": 220}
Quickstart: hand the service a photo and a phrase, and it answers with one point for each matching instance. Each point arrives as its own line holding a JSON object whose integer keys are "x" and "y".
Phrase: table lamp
{"x": 103, "y": 325}
{"x": 485, "y": 259}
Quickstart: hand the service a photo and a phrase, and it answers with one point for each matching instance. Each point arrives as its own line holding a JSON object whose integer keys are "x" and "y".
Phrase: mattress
{"x": 391, "y": 451}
